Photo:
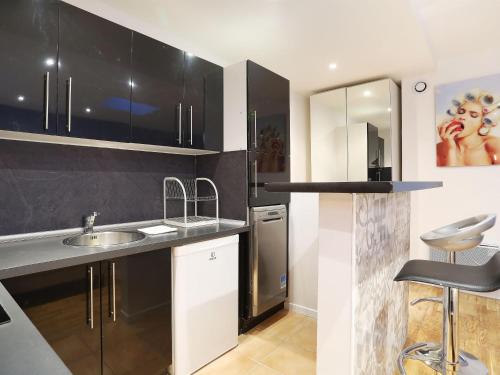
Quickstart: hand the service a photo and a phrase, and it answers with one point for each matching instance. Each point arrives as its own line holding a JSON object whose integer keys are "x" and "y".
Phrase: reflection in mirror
{"x": 329, "y": 136}
{"x": 369, "y": 132}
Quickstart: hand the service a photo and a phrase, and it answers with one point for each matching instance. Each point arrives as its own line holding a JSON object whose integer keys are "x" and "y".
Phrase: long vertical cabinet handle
{"x": 68, "y": 87}
{"x": 255, "y": 193}
{"x": 180, "y": 124}
{"x": 113, "y": 290}
{"x": 47, "y": 92}
{"x": 191, "y": 124}
{"x": 91, "y": 302}
{"x": 255, "y": 129}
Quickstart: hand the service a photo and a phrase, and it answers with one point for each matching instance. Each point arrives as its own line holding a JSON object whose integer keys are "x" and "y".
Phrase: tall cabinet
{"x": 109, "y": 317}
{"x": 356, "y": 133}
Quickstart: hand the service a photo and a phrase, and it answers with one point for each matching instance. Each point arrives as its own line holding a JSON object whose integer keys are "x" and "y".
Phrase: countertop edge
{"x": 363, "y": 187}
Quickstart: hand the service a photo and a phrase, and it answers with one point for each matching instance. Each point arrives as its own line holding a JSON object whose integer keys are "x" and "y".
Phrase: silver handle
{"x": 113, "y": 290}
{"x": 255, "y": 193}
{"x": 180, "y": 124}
{"x": 47, "y": 91}
{"x": 91, "y": 315}
{"x": 68, "y": 125}
{"x": 255, "y": 129}
{"x": 191, "y": 124}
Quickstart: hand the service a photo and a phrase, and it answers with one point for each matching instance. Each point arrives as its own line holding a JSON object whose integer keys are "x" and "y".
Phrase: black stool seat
{"x": 485, "y": 278}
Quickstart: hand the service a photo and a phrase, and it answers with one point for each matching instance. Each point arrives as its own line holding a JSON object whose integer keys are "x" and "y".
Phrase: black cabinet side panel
{"x": 228, "y": 171}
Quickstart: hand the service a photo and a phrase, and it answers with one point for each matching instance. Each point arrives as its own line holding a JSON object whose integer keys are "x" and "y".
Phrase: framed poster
{"x": 467, "y": 115}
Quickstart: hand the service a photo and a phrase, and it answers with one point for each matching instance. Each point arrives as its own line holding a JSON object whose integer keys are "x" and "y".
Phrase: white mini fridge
{"x": 205, "y": 302}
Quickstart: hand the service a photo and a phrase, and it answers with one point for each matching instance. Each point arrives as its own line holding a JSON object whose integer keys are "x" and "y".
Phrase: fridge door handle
{"x": 112, "y": 305}
{"x": 254, "y": 285}
{"x": 91, "y": 297}
{"x": 69, "y": 83}
{"x": 47, "y": 98}
{"x": 255, "y": 129}
{"x": 179, "y": 140}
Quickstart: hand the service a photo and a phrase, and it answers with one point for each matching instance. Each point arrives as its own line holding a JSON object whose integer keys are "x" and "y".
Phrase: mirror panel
{"x": 329, "y": 136}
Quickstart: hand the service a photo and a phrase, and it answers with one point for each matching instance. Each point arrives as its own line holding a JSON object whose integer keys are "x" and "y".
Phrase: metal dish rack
{"x": 187, "y": 190}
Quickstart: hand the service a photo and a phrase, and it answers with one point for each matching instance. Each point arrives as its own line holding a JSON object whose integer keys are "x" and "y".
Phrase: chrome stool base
{"x": 430, "y": 353}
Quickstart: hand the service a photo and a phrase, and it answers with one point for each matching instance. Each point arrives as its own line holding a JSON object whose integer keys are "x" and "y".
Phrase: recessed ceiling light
{"x": 190, "y": 54}
{"x": 389, "y": 109}
{"x": 332, "y": 66}
{"x": 50, "y": 61}
{"x": 88, "y": 110}
{"x": 20, "y": 98}
{"x": 367, "y": 93}
{"x": 131, "y": 83}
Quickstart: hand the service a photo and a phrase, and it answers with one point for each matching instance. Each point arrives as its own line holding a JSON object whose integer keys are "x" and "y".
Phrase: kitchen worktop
{"x": 47, "y": 253}
{"x": 352, "y": 186}
{"x": 23, "y": 350}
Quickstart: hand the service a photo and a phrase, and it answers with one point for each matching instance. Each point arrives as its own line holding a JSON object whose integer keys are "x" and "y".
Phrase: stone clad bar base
{"x": 364, "y": 240}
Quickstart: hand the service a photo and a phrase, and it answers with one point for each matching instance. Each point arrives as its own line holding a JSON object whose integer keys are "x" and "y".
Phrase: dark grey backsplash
{"x": 229, "y": 173}
{"x": 48, "y": 186}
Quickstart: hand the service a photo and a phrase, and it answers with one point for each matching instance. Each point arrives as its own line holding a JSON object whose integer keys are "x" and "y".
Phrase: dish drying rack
{"x": 187, "y": 190}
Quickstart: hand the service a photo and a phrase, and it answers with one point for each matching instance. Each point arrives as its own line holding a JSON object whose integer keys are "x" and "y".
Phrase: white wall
{"x": 304, "y": 215}
{"x": 467, "y": 190}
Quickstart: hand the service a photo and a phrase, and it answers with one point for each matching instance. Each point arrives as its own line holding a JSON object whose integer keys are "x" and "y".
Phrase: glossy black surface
{"x": 58, "y": 304}
{"x": 136, "y": 322}
{"x": 157, "y": 73}
{"x": 268, "y": 103}
{"x": 353, "y": 187}
{"x": 28, "y": 41}
{"x": 95, "y": 54}
{"x": 4, "y": 317}
{"x": 203, "y": 104}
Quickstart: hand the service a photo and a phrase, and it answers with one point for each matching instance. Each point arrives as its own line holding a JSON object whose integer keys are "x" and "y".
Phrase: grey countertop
{"x": 22, "y": 348}
{"x": 352, "y": 186}
{"x": 43, "y": 254}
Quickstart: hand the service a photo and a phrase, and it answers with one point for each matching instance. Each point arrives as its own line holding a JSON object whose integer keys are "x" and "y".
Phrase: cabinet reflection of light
{"x": 50, "y": 61}
{"x": 20, "y": 98}
{"x": 88, "y": 110}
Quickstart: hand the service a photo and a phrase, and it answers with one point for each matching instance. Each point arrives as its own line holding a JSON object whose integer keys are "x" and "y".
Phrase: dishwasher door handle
{"x": 274, "y": 220}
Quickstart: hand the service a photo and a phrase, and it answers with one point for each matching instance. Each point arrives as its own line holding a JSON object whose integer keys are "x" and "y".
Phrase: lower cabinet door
{"x": 136, "y": 309}
{"x": 64, "y": 305}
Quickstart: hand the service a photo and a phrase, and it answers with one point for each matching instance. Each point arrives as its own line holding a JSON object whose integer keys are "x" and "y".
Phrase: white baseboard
{"x": 299, "y": 309}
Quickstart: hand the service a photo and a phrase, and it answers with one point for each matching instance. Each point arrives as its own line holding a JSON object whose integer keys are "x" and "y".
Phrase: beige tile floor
{"x": 285, "y": 344}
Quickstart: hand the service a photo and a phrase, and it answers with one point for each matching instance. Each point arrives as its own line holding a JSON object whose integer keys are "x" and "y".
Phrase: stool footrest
{"x": 427, "y": 299}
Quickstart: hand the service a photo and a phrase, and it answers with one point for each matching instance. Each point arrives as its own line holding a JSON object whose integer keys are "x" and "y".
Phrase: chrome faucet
{"x": 89, "y": 222}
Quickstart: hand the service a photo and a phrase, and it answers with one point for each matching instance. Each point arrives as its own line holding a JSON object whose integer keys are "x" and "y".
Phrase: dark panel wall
{"x": 49, "y": 187}
{"x": 229, "y": 173}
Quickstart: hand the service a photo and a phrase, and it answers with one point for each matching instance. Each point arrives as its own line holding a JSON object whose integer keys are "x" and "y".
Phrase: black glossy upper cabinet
{"x": 203, "y": 101}
{"x": 28, "y": 67}
{"x": 157, "y": 75}
{"x": 94, "y": 76}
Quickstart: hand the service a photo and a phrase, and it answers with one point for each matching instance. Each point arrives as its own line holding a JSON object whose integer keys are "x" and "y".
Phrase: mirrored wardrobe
{"x": 355, "y": 133}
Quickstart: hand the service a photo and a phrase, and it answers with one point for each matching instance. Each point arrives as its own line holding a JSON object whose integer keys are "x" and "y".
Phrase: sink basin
{"x": 104, "y": 239}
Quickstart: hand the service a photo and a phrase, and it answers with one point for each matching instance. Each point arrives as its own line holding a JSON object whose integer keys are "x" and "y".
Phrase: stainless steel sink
{"x": 104, "y": 239}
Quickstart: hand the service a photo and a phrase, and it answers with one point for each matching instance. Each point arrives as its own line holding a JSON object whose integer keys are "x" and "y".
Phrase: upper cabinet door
{"x": 203, "y": 102}
{"x": 269, "y": 111}
{"x": 94, "y": 76}
{"x": 28, "y": 67}
{"x": 157, "y": 76}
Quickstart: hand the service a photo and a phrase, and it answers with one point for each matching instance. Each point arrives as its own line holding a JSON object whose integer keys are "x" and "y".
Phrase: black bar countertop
{"x": 353, "y": 187}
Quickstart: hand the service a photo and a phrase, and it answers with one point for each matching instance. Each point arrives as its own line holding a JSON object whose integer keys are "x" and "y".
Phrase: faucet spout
{"x": 89, "y": 222}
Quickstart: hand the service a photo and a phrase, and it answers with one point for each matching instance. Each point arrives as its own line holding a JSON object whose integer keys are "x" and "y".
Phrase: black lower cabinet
{"x": 64, "y": 305}
{"x": 116, "y": 322}
{"x": 136, "y": 306}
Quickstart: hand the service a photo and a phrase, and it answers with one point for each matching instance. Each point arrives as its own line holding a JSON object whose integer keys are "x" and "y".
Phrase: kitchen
{"x": 148, "y": 222}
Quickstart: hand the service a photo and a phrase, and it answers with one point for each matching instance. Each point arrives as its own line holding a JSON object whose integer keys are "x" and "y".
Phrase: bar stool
{"x": 463, "y": 235}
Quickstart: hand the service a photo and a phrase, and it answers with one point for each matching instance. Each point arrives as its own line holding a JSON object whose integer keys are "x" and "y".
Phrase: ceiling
{"x": 299, "y": 39}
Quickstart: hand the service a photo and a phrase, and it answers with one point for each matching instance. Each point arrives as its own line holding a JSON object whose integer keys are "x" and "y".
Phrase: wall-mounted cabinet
{"x": 355, "y": 133}
{"x": 71, "y": 73}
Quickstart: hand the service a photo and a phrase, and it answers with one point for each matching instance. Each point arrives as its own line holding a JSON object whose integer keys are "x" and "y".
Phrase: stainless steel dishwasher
{"x": 268, "y": 258}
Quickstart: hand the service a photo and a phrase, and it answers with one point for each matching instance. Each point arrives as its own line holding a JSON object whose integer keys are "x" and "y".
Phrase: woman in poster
{"x": 465, "y": 137}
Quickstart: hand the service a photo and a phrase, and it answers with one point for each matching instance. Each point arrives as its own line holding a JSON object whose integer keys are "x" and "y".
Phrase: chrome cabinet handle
{"x": 191, "y": 124}
{"x": 255, "y": 193}
{"x": 113, "y": 291}
{"x": 68, "y": 124}
{"x": 47, "y": 91}
{"x": 255, "y": 129}
{"x": 180, "y": 124}
{"x": 91, "y": 302}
